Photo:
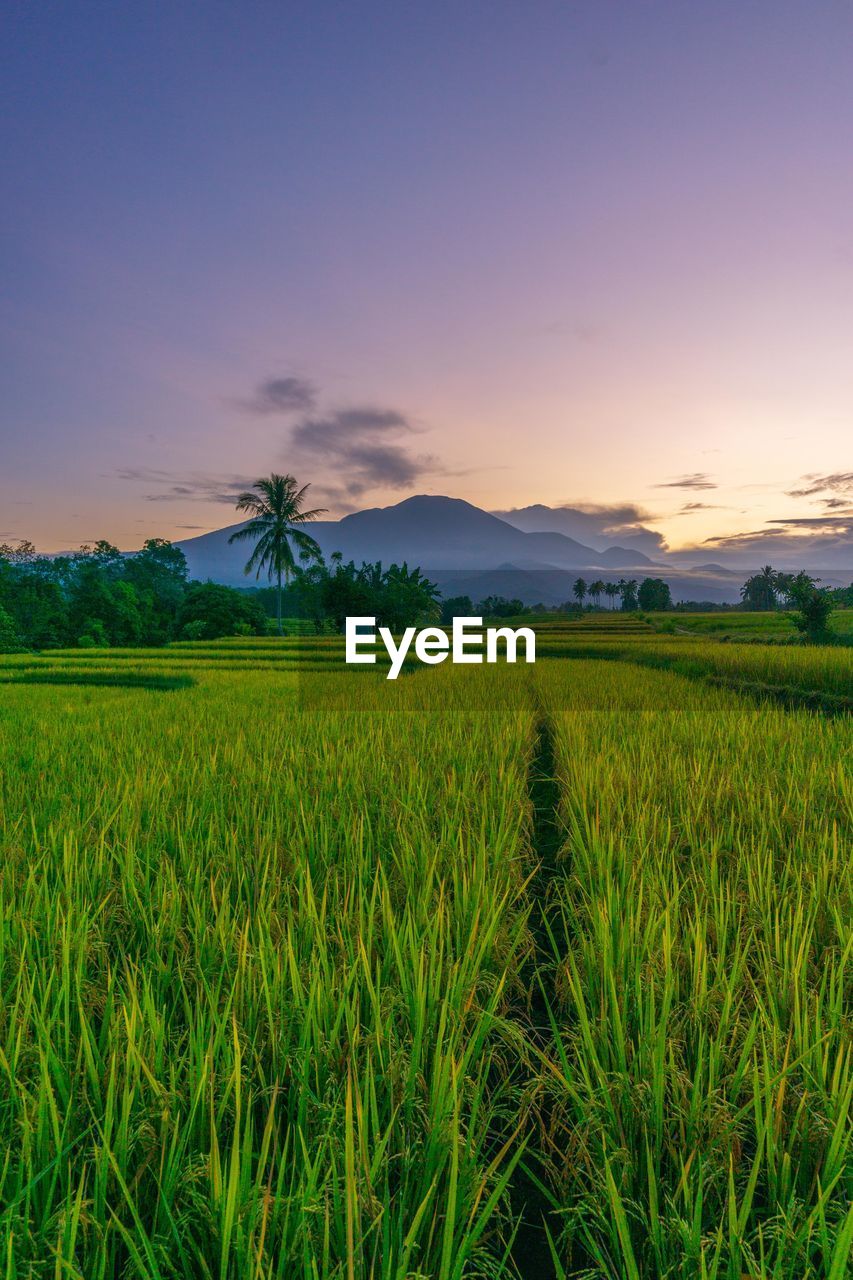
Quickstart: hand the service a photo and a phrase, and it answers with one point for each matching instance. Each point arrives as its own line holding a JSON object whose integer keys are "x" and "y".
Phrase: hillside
{"x": 436, "y": 532}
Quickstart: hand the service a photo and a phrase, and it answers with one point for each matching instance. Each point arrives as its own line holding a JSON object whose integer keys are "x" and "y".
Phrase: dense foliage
{"x": 99, "y": 597}
{"x": 94, "y": 597}
{"x": 654, "y": 595}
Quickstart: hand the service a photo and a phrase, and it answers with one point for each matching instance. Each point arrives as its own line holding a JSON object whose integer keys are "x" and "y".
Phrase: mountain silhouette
{"x": 467, "y": 551}
{"x": 589, "y": 527}
{"x": 436, "y": 533}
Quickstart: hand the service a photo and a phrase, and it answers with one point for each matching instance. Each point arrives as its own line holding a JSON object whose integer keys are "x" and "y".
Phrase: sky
{"x": 593, "y": 254}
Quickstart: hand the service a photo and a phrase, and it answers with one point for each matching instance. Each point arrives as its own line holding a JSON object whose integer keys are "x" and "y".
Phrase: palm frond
{"x": 306, "y": 544}
{"x": 253, "y": 529}
{"x": 275, "y": 506}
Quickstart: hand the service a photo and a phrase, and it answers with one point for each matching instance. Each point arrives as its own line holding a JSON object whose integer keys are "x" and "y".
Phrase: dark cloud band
{"x": 280, "y": 395}
{"x": 363, "y": 447}
{"x": 698, "y": 480}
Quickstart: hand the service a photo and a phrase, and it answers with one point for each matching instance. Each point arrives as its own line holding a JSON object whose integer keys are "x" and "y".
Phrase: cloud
{"x": 841, "y": 522}
{"x": 346, "y": 451}
{"x": 362, "y": 448}
{"x": 194, "y": 487}
{"x": 698, "y": 480}
{"x": 837, "y": 482}
{"x": 625, "y": 523}
{"x": 613, "y": 514}
{"x": 280, "y": 395}
{"x": 787, "y": 526}
{"x": 811, "y": 542}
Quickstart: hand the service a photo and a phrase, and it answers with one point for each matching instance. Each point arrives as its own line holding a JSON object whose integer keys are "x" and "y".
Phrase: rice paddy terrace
{"x": 489, "y": 971}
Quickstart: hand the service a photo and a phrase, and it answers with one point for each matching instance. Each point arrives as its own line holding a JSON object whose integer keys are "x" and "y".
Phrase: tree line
{"x": 772, "y": 589}
{"x": 652, "y": 594}
{"x": 100, "y": 596}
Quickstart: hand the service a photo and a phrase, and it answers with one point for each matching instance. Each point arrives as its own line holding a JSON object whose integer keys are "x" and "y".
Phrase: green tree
{"x": 611, "y": 591}
{"x": 23, "y": 553}
{"x": 159, "y": 574}
{"x": 276, "y": 511}
{"x": 397, "y": 597}
{"x": 759, "y": 591}
{"x": 654, "y": 595}
{"x": 37, "y": 607}
{"x": 628, "y": 592}
{"x": 501, "y": 607}
{"x": 407, "y": 598}
{"x": 210, "y": 611}
{"x": 105, "y": 555}
{"x": 579, "y": 590}
{"x": 815, "y": 605}
{"x": 456, "y": 607}
{"x": 843, "y": 596}
{"x": 595, "y": 590}
{"x": 784, "y": 583}
{"x": 345, "y": 592}
{"x": 10, "y": 641}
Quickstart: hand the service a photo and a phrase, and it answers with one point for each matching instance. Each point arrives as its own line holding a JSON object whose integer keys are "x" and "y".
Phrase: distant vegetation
{"x": 99, "y": 597}
{"x": 92, "y": 598}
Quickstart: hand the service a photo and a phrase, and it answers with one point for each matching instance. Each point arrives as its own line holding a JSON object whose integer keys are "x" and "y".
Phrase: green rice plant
{"x": 109, "y": 677}
{"x": 256, "y": 969}
{"x": 699, "y": 984}
{"x": 291, "y": 987}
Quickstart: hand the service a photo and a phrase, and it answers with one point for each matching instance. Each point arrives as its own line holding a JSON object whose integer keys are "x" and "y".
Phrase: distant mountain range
{"x": 468, "y": 551}
{"x": 573, "y": 522}
{"x": 444, "y": 533}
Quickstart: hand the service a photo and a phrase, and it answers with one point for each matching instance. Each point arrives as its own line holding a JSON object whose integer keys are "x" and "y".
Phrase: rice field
{"x": 534, "y": 971}
{"x": 775, "y": 625}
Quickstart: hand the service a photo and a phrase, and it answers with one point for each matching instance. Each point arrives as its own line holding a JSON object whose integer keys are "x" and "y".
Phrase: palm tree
{"x": 579, "y": 590}
{"x": 611, "y": 591}
{"x": 760, "y": 591}
{"x": 276, "y": 510}
{"x": 628, "y": 592}
{"x": 595, "y": 590}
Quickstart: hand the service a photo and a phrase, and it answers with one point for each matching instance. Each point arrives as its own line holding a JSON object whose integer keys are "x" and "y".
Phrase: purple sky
{"x": 589, "y": 253}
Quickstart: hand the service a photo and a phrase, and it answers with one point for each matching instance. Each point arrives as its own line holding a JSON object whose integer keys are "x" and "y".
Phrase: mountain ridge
{"x": 451, "y": 540}
{"x": 447, "y": 533}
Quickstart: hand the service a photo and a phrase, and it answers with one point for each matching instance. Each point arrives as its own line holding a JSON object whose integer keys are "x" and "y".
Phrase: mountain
{"x": 538, "y": 518}
{"x": 626, "y": 558}
{"x": 714, "y": 568}
{"x": 468, "y": 551}
{"x": 434, "y": 532}
{"x": 589, "y": 526}
{"x": 445, "y": 532}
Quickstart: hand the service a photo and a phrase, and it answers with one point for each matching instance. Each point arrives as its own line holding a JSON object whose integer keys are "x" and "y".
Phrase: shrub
{"x": 94, "y": 635}
{"x": 212, "y": 611}
{"x": 815, "y": 606}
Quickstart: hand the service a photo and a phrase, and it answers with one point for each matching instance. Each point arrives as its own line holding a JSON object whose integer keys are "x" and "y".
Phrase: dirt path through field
{"x": 531, "y": 1251}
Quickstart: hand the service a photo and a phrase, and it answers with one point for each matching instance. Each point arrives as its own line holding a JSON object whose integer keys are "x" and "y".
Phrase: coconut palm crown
{"x": 275, "y": 506}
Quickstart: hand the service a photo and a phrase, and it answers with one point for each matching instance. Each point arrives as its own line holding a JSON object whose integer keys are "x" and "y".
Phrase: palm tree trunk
{"x": 278, "y": 593}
